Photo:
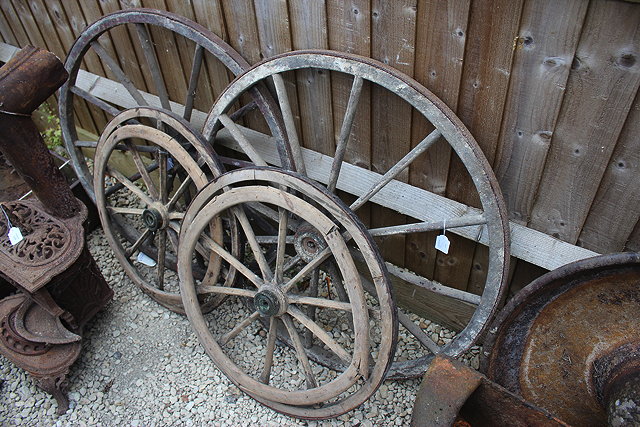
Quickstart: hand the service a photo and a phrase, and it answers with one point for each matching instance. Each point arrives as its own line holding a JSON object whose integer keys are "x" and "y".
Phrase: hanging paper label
{"x": 442, "y": 243}
{"x": 146, "y": 259}
{"x": 15, "y": 236}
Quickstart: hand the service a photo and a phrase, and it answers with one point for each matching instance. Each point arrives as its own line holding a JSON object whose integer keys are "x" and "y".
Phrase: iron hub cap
{"x": 270, "y": 302}
{"x": 152, "y": 219}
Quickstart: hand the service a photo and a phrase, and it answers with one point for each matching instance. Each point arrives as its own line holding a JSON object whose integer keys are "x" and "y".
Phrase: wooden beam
{"x": 526, "y": 244}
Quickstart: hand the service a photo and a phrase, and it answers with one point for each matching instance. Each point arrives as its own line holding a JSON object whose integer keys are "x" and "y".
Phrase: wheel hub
{"x": 152, "y": 219}
{"x": 308, "y": 242}
{"x": 270, "y": 302}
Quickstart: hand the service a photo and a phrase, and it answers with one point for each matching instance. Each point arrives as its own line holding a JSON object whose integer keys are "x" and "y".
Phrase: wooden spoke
{"x": 417, "y": 332}
{"x": 242, "y": 140}
{"x": 124, "y": 211}
{"x": 273, "y": 215}
{"x": 282, "y": 244}
{"x": 210, "y": 244}
{"x": 312, "y": 291}
{"x": 144, "y": 236}
{"x": 312, "y": 326}
{"x": 85, "y": 144}
{"x": 224, "y": 290}
{"x": 290, "y": 126}
{"x": 120, "y": 75}
{"x": 142, "y": 170}
{"x": 162, "y": 251}
{"x": 104, "y": 106}
{"x": 433, "y": 286}
{"x": 176, "y": 215}
{"x": 238, "y": 328}
{"x": 291, "y": 263}
{"x": 427, "y": 142}
{"x": 345, "y": 132}
{"x": 179, "y": 192}
{"x": 130, "y": 185}
{"x": 162, "y": 176}
{"x": 154, "y": 67}
{"x": 464, "y": 221}
{"x": 271, "y": 345}
{"x": 253, "y": 243}
{"x": 300, "y": 352}
{"x": 319, "y": 302}
{"x": 193, "y": 81}
{"x": 307, "y": 269}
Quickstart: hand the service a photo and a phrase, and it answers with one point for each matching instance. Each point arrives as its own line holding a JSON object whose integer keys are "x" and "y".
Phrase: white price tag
{"x": 15, "y": 236}
{"x": 146, "y": 259}
{"x": 442, "y": 243}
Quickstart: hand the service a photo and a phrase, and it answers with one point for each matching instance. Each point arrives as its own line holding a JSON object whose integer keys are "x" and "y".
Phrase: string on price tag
{"x": 442, "y": 241}
{"x": 15, "y": 235}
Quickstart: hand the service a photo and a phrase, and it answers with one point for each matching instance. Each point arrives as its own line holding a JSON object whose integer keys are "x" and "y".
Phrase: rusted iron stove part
{"x": 451, "y": 393}
{"x": 60, "y": 283}
{"x": 570, "y": 342}
{"x": 26, "y": 81}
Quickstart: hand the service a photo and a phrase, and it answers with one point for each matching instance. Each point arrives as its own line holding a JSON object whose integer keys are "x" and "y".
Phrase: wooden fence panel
{"x": 616, "y": 210}
{"x": 600, "y": 92}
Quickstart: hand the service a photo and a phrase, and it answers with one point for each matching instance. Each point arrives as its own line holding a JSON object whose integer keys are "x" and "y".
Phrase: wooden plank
{"x": 309, "y": 31}
{"x": 242, "y": 27}
{"x": 68, "y": 32}
{"x": 6, "y": 31}
{"x": 633, "y": 244}
{"x": 274, "y": 30}
{"x": 393, "y": 29}
{"x": 440, "y": 44}
{"x": 22, "y": 39}
{"x": 545, "y": 46}
{"x": 528, "y": 244}
{"x": 349, "y": 30}
{"x": 616, "y": 210}
{"x": 493, "y": 25}
{"x": 600, "y": 91}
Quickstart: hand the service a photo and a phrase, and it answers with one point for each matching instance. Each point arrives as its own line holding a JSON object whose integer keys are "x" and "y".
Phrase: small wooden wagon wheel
{"x": 428, "y": 211}
{"x": 144, "y": 178}
{"x": 144, "y": 79}
{"x": 291, "y": 292}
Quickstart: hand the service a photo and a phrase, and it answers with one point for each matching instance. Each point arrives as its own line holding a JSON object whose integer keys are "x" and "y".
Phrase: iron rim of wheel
{"x": 491, "y": 223}
{"x": 331, "y": 220}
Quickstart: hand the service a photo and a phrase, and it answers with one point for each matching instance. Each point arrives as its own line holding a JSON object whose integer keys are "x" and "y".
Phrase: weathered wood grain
{"x": 600, "y": 91}
{"x": 392, "y": 42}
{"x": 616, "y": 210}
{"x": 440, "y": 44}
{"x": 545, "y": 47}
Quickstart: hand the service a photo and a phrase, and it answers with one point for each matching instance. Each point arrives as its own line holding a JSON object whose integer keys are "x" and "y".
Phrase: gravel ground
{"x": 142, "y": 365}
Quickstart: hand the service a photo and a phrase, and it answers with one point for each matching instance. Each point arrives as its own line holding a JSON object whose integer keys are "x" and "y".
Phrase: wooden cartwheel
{"x": 335, "y": 168}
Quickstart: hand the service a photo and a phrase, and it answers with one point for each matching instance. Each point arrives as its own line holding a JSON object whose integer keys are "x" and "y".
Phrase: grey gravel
{"x": 142, "y": 365}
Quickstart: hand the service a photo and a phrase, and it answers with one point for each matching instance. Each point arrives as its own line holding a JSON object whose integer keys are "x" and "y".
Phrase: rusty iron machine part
{"x": 453, "y": 394}
{"x": 569, "y": 342}
{"x": 488, "y": 225}
{"x": 61, "y": 287}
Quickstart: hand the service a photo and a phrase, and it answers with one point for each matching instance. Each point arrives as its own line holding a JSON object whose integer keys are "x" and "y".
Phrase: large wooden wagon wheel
{"x": 428, "y": 211}
{"x": 292, "y": 292}
{"x": 144, "y": 178}
{"x": 160, "y": 42}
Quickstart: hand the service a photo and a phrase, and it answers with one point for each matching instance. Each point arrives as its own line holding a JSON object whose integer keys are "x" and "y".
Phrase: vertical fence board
{"x": 309, "y": 31}
{"x": 633, "y": 243}
{"x": 616, "y": 210}
{"x": 600, "y": 91}
{"x": 493, "y": 26}
{"x": 6, "y": 31}
{"x": 545, "y": 47}
{"x": 393, "y": 43}
{"x": 350, "y": 31}
{"x": 440, "y": 43}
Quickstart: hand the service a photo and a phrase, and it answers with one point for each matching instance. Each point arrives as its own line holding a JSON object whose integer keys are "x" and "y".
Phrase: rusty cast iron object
{"x": 60, "y": 283}
{"x": 451, "y": 393}
{"x": 570, "y": 342}
{"x": 26, "y": 81}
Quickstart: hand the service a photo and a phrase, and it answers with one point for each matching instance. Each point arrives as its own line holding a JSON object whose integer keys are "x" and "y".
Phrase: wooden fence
{"x": 549, "y": 89}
